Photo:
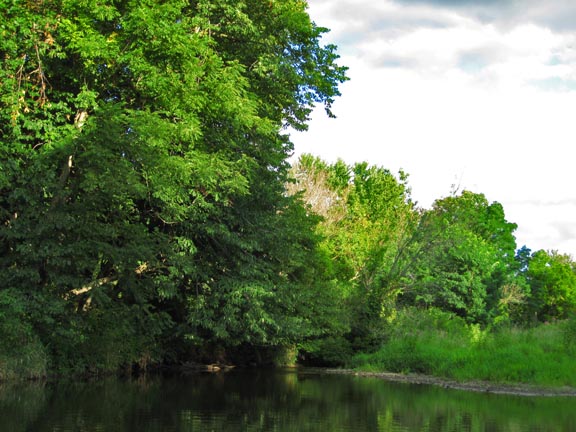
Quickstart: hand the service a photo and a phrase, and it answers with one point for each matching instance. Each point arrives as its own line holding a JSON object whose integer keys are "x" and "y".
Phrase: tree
{"x": 368, "y": 223}
{"x": 552, "y": 280}
{"x": 467, "y": 255}
{"x": 142, "y": 151}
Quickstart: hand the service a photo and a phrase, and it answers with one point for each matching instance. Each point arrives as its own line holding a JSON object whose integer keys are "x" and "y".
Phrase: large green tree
{"x": 143, "y": 158}
{"x": 465, "y": 257}
{"x": 369, "y": 219}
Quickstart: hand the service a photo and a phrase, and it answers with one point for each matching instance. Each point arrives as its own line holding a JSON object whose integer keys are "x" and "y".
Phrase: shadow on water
{"x": 288, "y": 400}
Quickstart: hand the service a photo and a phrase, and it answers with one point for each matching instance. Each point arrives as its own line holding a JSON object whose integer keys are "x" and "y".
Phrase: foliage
{"x": 368, "y": 223}
{"x": 143, "y": 163}
{"x": 21, "y": 353}
{"x": 148, "y": 212}
{"x": 570, "y": 334}
{"x": 275, "y": 292}
{"x": 333, "y": 350}
{"x": 465, "y": 257}
{"x": 439, "y": 344}
{"x": 552, "y": 279}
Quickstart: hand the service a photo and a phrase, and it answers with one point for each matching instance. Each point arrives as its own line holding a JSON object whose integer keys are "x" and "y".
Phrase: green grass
{"x": 435, "y": 343}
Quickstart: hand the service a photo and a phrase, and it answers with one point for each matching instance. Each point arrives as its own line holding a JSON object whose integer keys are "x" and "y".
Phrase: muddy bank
{"x": 476, "y": 386}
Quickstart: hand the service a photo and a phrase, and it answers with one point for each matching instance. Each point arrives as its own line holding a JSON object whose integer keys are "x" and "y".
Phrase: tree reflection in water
{"x": 287, "y": 400}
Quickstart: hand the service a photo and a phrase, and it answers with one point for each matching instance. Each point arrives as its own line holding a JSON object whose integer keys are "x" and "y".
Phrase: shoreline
{"x": 474, "y": 386}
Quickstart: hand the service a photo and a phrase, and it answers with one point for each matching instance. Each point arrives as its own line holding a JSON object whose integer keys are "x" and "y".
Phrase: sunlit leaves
{"x": 466, "y": 255}
{"x": 552, "y": 278}
{"x": 143, "y": 164}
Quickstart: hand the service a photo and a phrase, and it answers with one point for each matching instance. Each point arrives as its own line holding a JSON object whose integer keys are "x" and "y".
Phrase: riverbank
{"x": 475, "y": 386}
{"x": 527, "y": 360}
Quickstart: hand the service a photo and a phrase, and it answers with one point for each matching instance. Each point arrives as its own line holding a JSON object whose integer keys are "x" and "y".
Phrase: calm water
{"x": 287, "y": 400}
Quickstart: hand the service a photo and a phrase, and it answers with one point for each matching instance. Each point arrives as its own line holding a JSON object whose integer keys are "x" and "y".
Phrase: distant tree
{"x": 466, "y": 255}
{"x": 368, "y": 222}
{"x": 552, "y": 279}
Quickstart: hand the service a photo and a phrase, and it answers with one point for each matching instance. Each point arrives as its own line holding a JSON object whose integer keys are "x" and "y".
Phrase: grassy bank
{"x": 439, "y": 344}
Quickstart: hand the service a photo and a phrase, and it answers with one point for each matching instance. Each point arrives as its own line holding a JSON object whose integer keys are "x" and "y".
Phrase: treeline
{"x": 148, "y": 214}
{"x": 458, "y": 260}
{"x": 460, "y": 257}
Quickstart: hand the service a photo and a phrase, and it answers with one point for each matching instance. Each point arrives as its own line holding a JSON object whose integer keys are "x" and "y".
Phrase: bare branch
{"x": 94, "y": 284}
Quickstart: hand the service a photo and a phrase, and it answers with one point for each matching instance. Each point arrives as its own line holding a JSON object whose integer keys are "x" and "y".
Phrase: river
{"x": 271, "y": 400}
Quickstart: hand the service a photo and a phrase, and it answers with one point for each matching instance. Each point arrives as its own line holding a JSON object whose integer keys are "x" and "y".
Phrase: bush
{"x": 22, "y": 355}
{"x": 331, "y": 351}
{"x": 570, "y": 335}
{"x": 420, "y": 341}
{"x": 106, "y": 340}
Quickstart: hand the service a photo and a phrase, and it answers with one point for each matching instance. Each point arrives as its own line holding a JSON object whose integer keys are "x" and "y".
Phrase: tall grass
{"x": 440, "y": 344}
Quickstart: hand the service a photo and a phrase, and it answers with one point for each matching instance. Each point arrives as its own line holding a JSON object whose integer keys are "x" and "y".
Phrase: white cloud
{"x": 558, "y": 15}
{"x": 454, "y": 99}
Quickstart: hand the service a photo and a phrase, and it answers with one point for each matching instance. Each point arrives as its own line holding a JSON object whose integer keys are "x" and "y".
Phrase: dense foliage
{"x": 468, "y": 256}
{"x": 143, "y": 161}
{"x": 148, "y": 212}
{"x": 459, "y": 257}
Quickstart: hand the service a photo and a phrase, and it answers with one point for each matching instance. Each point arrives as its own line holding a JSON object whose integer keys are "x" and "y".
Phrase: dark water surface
{"x": 286, "y": 400}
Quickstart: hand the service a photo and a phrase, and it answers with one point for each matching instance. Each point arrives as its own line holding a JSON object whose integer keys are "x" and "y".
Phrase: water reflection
{"x": 271, "y": 401}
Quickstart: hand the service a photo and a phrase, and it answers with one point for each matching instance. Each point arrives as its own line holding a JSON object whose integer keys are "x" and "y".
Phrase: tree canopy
{"x": 144, "y": 156}
{"x": 468, "y": 254}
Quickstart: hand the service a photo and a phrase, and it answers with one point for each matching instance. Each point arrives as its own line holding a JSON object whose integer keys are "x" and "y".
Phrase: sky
{"x": 475, "y": 95}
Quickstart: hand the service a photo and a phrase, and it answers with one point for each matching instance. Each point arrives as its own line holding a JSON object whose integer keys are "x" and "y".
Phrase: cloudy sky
{"x": 480, "y": 94}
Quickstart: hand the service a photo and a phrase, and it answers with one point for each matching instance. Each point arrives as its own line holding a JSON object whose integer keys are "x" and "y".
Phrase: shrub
{"x": 329, "y": 351}
{"x": 570, "y": 335}
{"x": 21, "y": 352}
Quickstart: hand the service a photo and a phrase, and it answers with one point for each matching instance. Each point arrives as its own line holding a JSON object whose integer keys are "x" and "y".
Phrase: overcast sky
{"x": 477, "y": 94}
